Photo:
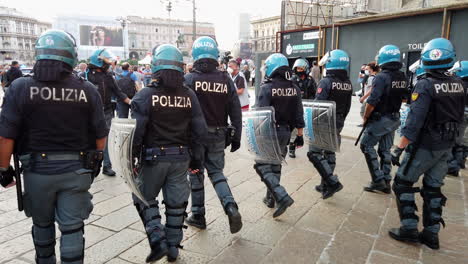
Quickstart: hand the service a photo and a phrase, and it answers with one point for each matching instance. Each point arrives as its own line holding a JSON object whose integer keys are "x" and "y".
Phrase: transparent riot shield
{"x": 259, "y": 138}
{"x": 320, "y": 125}
{"x": 120, "y": 141}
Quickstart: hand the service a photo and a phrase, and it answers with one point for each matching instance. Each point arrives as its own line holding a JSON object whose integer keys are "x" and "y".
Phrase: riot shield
{"x": 320, "y": 125}
{"x": 259, "y": 138}
{"x": 120, "y": 141}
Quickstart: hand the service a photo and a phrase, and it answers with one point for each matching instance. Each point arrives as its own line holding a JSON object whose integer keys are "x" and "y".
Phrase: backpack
{"x": 127, "y": 85}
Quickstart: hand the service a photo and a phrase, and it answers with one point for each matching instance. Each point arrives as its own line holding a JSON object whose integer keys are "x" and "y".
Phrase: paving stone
{"x": 15, "y": 230}
{"x": 187, "y": 257}
{"x": 15, "y": 247}
{"x": 390, "y": 246}
{"x": 430, "y": 256}
{"x": 364, "y": 222}
{"x": 242, "y": 252}
{"x": 9, "y": 205}
{"x": 322, "y": 218}
{"x": 95, "y": 234}
{"x": 118, "y": 261}
{"x": 253, "y": 208}
{"x": 453, "y": 240}
{"x": 266, "y": 231}
{"x": 18, "y": 261}
{"x": 381, "y": 258}
{"x": 298, "y": 246}
{"x": 112, "y": 205}
{"x": 6, "y": 194}
{"x": 119, "y": 219}
{"x": 348, "y": 247}
{"x": 112, "y": 246}
{"x": 117, "y": 190}
{"x": 212, "y": 240}
{"x": 100, "y": 197}
{"x": 11, "y": 217}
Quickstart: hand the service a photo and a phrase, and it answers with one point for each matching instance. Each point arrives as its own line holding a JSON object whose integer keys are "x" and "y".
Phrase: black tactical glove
{"x": 6, "y": 176}
{"x": 396, "y": 156}
{"x": 196, "y": 164}
{"x": 299, "y": 142}
{"x": 235, "y": 145}
{"x": 93, "y": 162}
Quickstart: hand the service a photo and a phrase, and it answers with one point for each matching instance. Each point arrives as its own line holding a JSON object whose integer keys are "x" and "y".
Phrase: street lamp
{"x": 124, "y": 22}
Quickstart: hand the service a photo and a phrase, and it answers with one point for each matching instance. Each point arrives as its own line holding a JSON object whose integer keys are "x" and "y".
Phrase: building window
{"x": 156, "y": 30}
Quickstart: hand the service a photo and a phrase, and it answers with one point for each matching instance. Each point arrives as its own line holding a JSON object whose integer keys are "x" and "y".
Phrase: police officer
{"x": 56, "y": 122}
{"x": 308, "y": 88}
{"x": 218, "y": 99}
{"x": 99, "y": 75}
{"x": 279, "y": 91}
{"x": 169, "y": 119}
{"x": 382, "y": 117}
{"x": 335, "y": 86}
{"x": 429, "y": 134}
{"x": 457, "y": 161}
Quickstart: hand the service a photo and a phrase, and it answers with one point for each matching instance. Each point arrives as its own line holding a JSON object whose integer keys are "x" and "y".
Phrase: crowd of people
{"x": 56, "y": 122}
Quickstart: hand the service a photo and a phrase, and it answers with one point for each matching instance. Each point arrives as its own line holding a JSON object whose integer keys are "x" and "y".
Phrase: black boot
{"x": 292, "y": 150}
{"x": 380, "y": 186}
{"x": 107, "y": 170}
{"x": 453, "y": 172}
{"x": 158, "y": 251}
{"x": 173, "y": 253}
{"x": 196, "y": 220}
{"x": 404, "y": 235}
{"x": 268, "y": 200}
{"x": 429, "y": 239}
{"x": 283, "y": 205}
{"x": 235, "y": 219}
{"x": 330, "y": 190}
{"x": 319, "y": 188}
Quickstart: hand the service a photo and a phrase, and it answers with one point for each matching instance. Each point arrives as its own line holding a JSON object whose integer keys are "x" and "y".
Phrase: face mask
{"x": 230, "y": 70}
{"x": 367, "y": 72}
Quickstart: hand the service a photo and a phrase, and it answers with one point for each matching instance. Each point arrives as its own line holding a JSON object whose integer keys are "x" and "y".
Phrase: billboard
{"x": 101, "y": 36}
{"x": 300, "y": 44}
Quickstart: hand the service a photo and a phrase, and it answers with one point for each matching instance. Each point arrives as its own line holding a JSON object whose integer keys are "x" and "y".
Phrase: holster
{"x": 92, "y": 160}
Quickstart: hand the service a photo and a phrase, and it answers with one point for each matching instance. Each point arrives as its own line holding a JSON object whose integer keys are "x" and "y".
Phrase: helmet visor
{"x": 415, "y": 66}
{"x": 456, "y": 67}
{"x": 107, "y": 56}
{"x": 324, "y": 59}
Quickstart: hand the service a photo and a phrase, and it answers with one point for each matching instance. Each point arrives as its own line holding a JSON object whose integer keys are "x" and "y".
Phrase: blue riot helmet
{"x": 301, "y": 63}
{"x": 101, "y": 57}
{"x": 205, "y": 48}
{"x": 56, "y": 45}
{"x": 388, "y": 53}
{"x": 438, "y": 53}
{"x": 335, "y": 60}
{"x": 274, "y": 62}
{"x": 460, "y": 68}
{"x": 167, "y": 57}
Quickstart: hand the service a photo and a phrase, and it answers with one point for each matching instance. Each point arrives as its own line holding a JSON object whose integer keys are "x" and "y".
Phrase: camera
{"x": 226, "y": 57}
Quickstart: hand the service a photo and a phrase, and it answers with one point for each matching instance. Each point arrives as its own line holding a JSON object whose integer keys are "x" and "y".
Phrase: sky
{"x": 223, "y": 13}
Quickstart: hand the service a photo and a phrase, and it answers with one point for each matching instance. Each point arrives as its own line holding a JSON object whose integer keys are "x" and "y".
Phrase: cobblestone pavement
{"x": 350, "y": 227}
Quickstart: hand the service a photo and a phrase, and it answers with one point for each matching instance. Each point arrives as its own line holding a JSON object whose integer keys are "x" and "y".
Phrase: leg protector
{"x": 44, "y": 243}
{"x": 175, "y": 215}
{"x": 222, "y": 189}
{"x": 271, "y": 180}
{"x": 434, "y": 200}
{"x": 72, "y": 245}
{"x": 321, "y": 164}
{"x": 404, "y": 193}
{"x": 151, "y": 220}
{"x": 331, "y": 159}
{"x": 385, "y": 164}
{"x": 372, "y": 162}
{"x": 198, "y": 193}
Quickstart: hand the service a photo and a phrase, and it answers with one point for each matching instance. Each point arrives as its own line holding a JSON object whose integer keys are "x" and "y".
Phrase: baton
{"x": 19, "y": 189}
{"x": 360, "y": 134}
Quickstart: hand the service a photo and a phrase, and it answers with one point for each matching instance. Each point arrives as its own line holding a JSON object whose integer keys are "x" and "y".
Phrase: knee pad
{"x": 276, "y": 168}
{"x": 262, "y": 169}
{"x": 44, "y": 242}
{"x": 72, "y": 244}
{"x": 175, "y": 215}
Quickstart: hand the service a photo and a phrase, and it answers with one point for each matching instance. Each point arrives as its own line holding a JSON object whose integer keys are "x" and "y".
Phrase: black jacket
{"x": 12, "y": 74}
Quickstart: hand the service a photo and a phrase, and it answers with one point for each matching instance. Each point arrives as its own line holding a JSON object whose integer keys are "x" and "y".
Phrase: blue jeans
{"x": 108, "y": 115}
{"x": 123, "y": 109}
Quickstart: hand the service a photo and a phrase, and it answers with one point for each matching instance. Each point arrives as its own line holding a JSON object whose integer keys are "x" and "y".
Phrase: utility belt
{"x": 152, "y": 154}
{"x": 376, "y": 116}
{"x": 89, "y": 159}
{"x": 448, "y": 131}
{"x": 217, "y": 130}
